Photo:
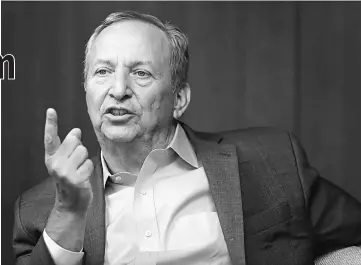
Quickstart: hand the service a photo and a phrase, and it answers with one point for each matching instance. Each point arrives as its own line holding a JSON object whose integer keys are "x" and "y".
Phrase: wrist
{"x": 67, "y": 228}
{"x": 77, "y": 209}
{"x": 70, "y": 214}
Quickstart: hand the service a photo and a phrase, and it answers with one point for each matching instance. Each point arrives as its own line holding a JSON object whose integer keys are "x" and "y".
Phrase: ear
{"x": 181, "y": 100}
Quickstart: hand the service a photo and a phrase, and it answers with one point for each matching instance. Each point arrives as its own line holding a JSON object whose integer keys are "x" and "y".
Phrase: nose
{"x": 120, "y": 89}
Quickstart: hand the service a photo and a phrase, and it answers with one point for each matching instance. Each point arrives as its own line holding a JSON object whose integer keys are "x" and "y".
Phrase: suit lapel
{"x": 220, "y": 163}
{"x": 94, "y": 241}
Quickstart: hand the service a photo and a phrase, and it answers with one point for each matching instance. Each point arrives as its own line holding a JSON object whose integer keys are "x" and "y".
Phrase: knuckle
{"x": 48, "y": 139}
{"x": 83, "y": 150}
{"x": 90, "y": 166}
{"x": 53, "y": 167}
{"x": 62, "y": 172}
{"x": 58, "y": 169}
{"x": 73, "y": 139}
{"x": 89, "y": 163}
{"x": 83, "y": 177}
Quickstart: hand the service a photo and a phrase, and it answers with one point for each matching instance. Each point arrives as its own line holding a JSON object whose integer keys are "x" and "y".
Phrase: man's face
{"x": 128, "y": 88}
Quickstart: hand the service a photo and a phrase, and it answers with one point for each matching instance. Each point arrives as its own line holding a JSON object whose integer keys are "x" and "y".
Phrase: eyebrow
{"x": 136, "y": 63}
{"x": 129, "y": 65}
{"x": 106, "y": 62}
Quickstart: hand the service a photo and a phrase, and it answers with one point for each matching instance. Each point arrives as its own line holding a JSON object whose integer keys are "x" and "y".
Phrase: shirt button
{"x": 148, "y": 233}
{"x": 118, "y": 179}
{"x": 143, "y": 192}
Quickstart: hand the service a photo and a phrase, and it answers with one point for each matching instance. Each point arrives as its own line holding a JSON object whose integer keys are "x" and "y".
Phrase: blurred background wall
{"x": 293, "y": 65}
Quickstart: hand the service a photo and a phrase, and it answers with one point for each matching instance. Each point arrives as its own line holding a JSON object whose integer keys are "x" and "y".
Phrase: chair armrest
{"x": 344, "y": 256}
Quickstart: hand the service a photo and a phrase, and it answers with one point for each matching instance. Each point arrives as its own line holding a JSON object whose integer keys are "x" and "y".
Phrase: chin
{"x": 120, "y": 135}
{"x": 120, "y": 138}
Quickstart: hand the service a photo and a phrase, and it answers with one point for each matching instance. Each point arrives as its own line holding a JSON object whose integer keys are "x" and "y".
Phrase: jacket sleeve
{"x": 29, "y": 247}
{"x": 335, "y": 216}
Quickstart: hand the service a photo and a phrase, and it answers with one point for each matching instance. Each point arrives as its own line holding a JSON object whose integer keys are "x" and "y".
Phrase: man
{"x": 160, "y": 193}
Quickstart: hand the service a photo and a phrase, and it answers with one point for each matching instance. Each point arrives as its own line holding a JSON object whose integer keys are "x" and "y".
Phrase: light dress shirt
{"x": 165, "y": 215}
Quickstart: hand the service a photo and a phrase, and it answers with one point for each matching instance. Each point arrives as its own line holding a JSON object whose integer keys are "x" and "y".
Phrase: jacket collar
{"x": 220, "y": 163}
{"x": 94, "y": 240}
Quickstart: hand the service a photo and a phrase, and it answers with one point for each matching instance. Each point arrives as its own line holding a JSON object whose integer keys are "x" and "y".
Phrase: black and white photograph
{"x": 180, "y": 133}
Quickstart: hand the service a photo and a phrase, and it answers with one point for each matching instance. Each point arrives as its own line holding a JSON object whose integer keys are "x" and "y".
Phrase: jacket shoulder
{"x": 33, "y": 207}
{"x": 42, "y": 194}
{"x": 262, "y": 135}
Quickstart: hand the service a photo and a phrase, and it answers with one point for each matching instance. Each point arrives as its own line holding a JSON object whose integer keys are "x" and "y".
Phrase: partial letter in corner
{"x": 9, "y": 61}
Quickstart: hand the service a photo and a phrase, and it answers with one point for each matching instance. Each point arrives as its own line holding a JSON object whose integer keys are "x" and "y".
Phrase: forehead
{"x": 131, "y": 40}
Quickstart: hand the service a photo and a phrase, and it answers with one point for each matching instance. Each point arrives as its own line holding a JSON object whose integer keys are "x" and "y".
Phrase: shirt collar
{"x": 106, "y": 172}
{"x": 180, "y": 144}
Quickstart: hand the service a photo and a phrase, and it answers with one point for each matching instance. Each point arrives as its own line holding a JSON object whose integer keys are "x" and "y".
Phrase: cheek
{"x": 156, "y": 105}
{"x": 95, "y": 98}
{"x": 91, "y": 100}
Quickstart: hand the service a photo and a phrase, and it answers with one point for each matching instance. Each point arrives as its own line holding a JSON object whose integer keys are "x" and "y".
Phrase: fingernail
{"x": 50, "y": 113}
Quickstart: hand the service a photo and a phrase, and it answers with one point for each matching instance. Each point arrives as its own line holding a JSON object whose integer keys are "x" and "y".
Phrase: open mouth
{"x": 118, "y": 112}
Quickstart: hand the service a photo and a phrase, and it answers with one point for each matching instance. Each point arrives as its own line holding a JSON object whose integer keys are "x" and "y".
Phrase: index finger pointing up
{"x": 51, "y": 138}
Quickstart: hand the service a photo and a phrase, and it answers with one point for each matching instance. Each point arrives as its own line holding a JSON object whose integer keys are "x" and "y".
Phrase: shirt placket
{"x": 144, "y": 209}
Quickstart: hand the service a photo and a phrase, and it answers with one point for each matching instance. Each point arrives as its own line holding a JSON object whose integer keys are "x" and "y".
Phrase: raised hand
{"x": 68, "y": 164}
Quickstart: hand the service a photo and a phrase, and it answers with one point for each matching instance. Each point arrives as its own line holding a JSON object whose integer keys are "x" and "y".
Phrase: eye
{"x": 142, "y": 74}
{"x": 102, "y": 72}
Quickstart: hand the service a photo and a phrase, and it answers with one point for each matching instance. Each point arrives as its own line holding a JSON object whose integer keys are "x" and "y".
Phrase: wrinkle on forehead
{"x": 132, "y": 40}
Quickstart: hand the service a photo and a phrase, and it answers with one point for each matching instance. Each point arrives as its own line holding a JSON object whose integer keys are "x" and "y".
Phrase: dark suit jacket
{"x": 273, "y": 207}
